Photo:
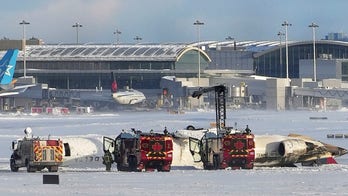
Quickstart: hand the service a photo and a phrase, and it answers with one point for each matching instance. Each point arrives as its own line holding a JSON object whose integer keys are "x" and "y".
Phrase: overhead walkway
{"x": 335, "y": 93}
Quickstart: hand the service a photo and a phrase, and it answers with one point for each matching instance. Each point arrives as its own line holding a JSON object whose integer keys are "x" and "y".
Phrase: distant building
{"x": 230, "y": 55}
{"x": 269, "y": 63}
{"x": 6, "y": 43}
{"x": 325, "y": 69}
{"x": 336, "y": 37}
{"x": 139, "y": 66}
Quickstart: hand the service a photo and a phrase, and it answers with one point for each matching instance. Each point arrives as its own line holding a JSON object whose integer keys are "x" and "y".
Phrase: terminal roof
{"x": 161, "y": 52}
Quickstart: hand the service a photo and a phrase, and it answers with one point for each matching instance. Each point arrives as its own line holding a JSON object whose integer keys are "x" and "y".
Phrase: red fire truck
{"x": 225, "y": 147}
{"x": 234, "y": 150}
{"x": 137, "y": 151}
{"x": 238, "y": 151}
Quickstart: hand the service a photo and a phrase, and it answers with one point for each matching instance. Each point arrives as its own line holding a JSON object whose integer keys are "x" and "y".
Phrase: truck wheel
{"x": 29, "y": 168}
{"x": 13, "y": 165}
{"x": 190, "y": 127}
{"x": 53, "y": 168}
{"x": 249, "y": 166}
{"x": 216, "y": 161}
{"x": 40, "y": 168}
{"x": 164, "y": 168}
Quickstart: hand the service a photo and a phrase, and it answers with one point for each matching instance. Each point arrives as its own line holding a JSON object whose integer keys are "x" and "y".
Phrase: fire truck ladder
{"x": 220, "y": 103}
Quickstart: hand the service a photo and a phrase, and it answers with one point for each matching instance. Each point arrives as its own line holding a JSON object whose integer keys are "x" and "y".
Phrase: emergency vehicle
{"x": 225, "y": 147}
{"x": 36, "y": 154}
{"x": 137, "y": 151}
{"x": 231, "y": 150}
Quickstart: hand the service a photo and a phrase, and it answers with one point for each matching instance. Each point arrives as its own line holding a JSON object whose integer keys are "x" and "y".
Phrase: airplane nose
{"x": 342, "y": 151}
{"x": 335, "y": 150}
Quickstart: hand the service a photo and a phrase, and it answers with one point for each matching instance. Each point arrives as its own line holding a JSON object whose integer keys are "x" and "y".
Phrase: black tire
{"x": 250, "y": 166}
{"x": 164, "y": 170}
{"x": 190, "y": 127}
{"x": 247, "y": 166}
{"x": 29, "y": 168}
{"x": 53, "y": 168}
{"x": 13, "y": 165}
{"x": 40, "y": 168}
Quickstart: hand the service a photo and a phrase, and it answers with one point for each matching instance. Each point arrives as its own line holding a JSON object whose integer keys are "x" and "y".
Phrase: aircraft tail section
{"x": 329, "y": 160}
{"x": 7, "y": 66}
{"x": 113, "y": 83}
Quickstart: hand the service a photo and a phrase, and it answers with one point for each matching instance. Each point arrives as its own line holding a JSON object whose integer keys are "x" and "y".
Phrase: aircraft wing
{"x": 6, "y": 94}
{"x": 16, "y": 90}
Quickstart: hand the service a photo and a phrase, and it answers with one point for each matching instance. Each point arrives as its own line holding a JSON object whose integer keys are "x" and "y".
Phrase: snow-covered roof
{"x": 119, "y": 52}
{"x": 107, "y": 52}
{"x": 253, "y": 46}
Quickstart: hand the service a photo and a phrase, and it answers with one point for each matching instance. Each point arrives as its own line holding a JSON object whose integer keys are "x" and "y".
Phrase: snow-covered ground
{"x": 322, "y": 180}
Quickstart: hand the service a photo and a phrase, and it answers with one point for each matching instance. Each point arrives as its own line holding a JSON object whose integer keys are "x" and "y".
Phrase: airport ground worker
{"x": 107, "y": 160}
{"x": 247, "y": 130}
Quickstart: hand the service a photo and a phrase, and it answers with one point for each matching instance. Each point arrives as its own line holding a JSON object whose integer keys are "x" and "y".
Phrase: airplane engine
{"x": 292, "y": 149}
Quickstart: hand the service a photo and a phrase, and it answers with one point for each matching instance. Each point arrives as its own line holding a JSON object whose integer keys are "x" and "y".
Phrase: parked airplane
{"x": 126, "y": 96}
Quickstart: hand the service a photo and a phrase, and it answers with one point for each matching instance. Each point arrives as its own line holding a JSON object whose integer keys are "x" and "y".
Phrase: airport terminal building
{"x": 272, "y": 61}
{"x": 142, "y": 66}
{"x": 139, "y": 66}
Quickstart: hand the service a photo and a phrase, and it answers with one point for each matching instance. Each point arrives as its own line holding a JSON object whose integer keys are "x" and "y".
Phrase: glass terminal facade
{"x": 90, "y": 66}
{"x": 269, "y": 63}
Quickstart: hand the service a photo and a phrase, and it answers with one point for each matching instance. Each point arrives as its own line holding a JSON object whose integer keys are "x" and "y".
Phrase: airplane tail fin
{"x": 328, "y": 160}
{"x": 7, "y": 66}
{"x": 113, "y": 83}
{"x": 331, "y": 160}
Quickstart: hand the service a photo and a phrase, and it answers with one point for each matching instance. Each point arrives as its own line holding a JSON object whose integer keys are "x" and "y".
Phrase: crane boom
{"x": 220, "y": 103}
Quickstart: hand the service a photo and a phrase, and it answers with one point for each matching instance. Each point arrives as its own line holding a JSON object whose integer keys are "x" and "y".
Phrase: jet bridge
{"x": 334, "y": 93}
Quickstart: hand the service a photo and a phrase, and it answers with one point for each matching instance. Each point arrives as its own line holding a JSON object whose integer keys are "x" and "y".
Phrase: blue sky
{"x": 164, "y": 21}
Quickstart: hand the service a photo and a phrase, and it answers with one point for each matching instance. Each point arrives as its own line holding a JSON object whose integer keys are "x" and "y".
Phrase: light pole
{"x": 198, "y": 24}
{"x": 313, "y": 26}
{"x": 77, "y": 26}
{"x": 138, "y": 39}
{"x": 229, "y": 38}
{"x": 286, "y": 24}
{"x": 117, "y": 33}
{"x": 280, "y": 34}
{"x": 23, "y": 23}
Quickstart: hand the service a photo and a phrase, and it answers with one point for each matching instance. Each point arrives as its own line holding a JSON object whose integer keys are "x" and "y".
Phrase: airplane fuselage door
{"x": 108, "y": 144}
{"x": 195, "y": 149}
